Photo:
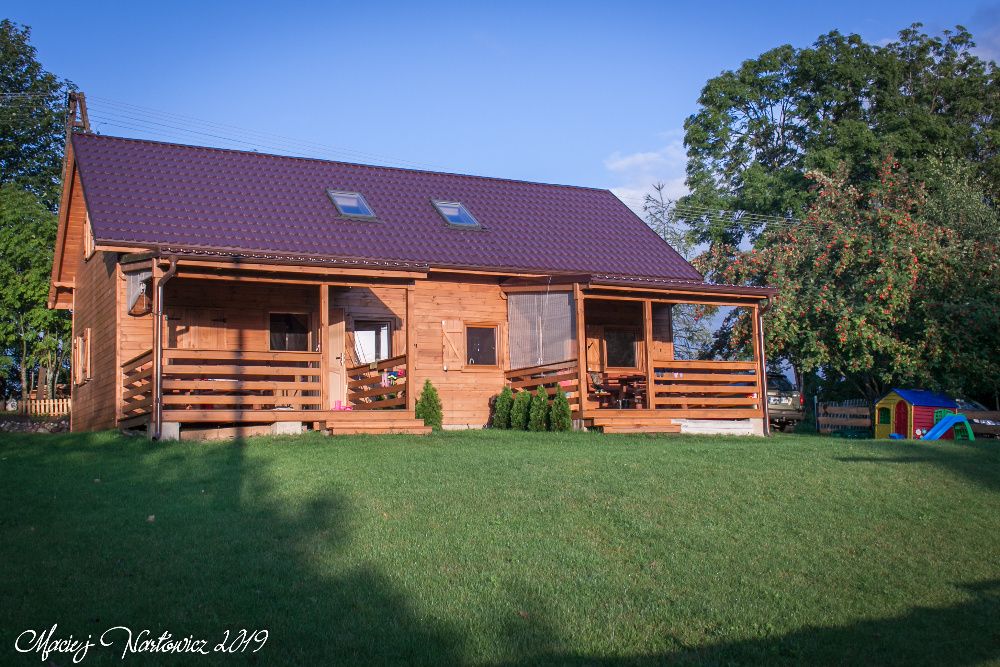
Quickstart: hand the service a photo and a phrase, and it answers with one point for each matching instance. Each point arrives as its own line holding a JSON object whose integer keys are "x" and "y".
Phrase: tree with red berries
{"x": 868, "y": 285}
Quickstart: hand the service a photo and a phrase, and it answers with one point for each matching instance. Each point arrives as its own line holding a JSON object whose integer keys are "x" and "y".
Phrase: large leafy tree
{"x": 32, "y": 117}
{"x": 761, "y": 128}
{"x": 803, "y": 134}
{"x": 34, "y": 335}
{"x": 32, "y": 121}
{"x": 873, "y": 289}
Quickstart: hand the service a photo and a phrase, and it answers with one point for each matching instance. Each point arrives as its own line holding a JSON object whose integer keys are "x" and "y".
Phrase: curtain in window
{"x": 542, "y": 328}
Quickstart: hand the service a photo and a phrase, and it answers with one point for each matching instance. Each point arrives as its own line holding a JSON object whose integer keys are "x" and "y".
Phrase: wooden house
{"x": 220, "y": 291}
{"x": 910, "y": 413}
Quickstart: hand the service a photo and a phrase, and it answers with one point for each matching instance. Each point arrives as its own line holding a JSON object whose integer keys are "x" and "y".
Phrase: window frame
{"x": 89, "y": 245}
{"x": 390, "y": 330}
{"x": 309, "y": 329}
{"x": 438, "y": 203}
{"x": 637, "y": 338}
{"x": 495, "y": 326}
{"x": 332, "y": 193}
{"x": 81, "y": 358}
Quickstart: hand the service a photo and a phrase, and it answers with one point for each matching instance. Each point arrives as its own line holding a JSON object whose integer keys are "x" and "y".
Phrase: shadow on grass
{"x": 962, "y": 634}
{"x": 979, "y": 462}
{"x": 195, "y": 542}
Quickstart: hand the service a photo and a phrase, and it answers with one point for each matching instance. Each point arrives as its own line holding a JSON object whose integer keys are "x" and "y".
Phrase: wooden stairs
{"x": 632, "y": 421}
{"x": 355, "y": 422}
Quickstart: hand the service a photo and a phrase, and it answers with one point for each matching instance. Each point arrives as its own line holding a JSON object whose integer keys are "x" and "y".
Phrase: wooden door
{"x": 337, "y": 365}
{"x": 902, "y": 423}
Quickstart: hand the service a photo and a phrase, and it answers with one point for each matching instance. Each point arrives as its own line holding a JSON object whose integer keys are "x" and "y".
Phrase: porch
{"x": 622, "y": 374}
{"x": 243, "y": 353}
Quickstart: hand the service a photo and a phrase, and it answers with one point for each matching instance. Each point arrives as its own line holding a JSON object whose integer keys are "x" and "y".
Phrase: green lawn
{"x": 486, "y": 547}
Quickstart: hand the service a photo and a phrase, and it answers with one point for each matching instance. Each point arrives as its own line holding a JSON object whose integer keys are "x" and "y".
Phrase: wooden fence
{"x": 563, "y": 374}
{"x": 854, "y": 415}
{"x": 49, "y": 407}
{"x": 378, "y": 386}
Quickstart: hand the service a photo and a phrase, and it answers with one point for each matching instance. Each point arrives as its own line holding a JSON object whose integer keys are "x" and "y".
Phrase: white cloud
{"x": 636, "y": 173}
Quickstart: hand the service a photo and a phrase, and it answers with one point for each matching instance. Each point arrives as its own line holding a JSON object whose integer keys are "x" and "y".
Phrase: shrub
{"x": 519, "y": 411}
{"x": 538, "y": 417}
{"x": 502, "y": 407}
{"x": 560, "y": 416}
{"x": 428, "y": 406}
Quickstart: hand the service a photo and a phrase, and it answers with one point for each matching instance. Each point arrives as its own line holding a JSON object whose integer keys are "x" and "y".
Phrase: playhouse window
{"x": 884, "y": 416}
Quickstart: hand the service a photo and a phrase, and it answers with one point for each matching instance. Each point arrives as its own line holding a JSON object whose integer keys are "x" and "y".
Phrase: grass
{"x": 498, "y": 548}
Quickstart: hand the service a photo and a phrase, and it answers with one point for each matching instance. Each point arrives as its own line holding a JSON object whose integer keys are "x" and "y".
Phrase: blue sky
{"x": 581, "y": 93}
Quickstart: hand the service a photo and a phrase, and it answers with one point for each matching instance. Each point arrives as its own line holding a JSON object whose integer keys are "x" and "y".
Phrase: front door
{"x": 336, "y": 369}
{"x": 902, "y": 423}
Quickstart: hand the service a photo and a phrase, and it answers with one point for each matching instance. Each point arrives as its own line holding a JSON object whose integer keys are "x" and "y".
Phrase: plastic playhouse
{"x": 920, "y": 415}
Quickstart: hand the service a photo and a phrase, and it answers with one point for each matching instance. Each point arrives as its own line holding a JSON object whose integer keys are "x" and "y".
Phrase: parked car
{"x": 785, "y": 405}
{"x": 966, "y": 405}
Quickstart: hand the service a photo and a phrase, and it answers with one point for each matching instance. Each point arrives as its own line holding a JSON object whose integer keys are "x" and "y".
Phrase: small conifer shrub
{"x": 538, "y": 415}
{"x": 428, "y": 406}
{"x": 519, "y": 411}
{"x": 502, "y": 407}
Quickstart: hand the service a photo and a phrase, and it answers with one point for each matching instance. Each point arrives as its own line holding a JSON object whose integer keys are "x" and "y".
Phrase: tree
{"x": 428, "y": 407}
{"x": 560, "y": 414}
{"x": 519, "y": 410}
{"x": 36, "y": 336}
{"x": 864, "y": 285}
{"x": 538, "y": 413}
{"x": 502, "y": 407}
{"x": 761, "y": 128}
{"x": 32, "y": 117}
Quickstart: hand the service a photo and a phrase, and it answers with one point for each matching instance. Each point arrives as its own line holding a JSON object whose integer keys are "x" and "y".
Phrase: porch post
{"x": 154, "y": 409}
{"x": 647, "y": 317}
{"x": 324, "y": 345}
{"x": 758, "y": 353}
{"x": 411, "y": 352}
{"x": 581, "y": 348}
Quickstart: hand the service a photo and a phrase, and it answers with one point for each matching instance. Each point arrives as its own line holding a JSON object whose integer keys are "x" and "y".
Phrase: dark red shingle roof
{"x": 187, "y": 197}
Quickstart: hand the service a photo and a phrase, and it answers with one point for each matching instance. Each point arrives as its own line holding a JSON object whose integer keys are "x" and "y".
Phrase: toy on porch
{"x": 913, "y": 413}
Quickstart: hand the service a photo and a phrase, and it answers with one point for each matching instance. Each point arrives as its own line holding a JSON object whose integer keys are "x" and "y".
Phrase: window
{"x": 884, "y": 416}
{"x": 290, "y": 332}
{"x": 620, "y": 347}
{"x": 351, "y": 204}
{"x": 372, "y": 341}
{"x": 481, "y": 345}
{"x": 455, "y": 214}
{"x": 81, "y": 358}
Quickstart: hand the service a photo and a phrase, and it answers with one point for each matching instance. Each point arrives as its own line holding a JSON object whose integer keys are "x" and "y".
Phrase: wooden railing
{"x": 137, "y": 390}
{"x": 239, "y": 385}
{"x": 43, "y": 407}
{"x": 707, "y": 389}
{"x": 378, "y": 386}
{"x": 563, "y": 373}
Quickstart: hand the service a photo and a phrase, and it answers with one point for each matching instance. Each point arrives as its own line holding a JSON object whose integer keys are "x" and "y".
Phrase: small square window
{"x": 620, "y": 347}
{"x": 289, "y": 332}
{"x": 351, "y": 204}
{"x": 455, "y": 213}
{"x": 481, "y": 346}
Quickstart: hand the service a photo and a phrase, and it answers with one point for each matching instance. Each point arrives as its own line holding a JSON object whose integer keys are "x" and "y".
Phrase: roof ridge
{"x": 340, "y": 162}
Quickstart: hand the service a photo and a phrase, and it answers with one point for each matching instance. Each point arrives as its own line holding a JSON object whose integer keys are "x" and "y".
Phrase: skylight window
{"x": 351, "y": 204}
{"x": 455, "y": 213}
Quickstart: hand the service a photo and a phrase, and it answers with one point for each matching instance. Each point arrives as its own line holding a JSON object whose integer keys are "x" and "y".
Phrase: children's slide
{"x": 951, "y": 421}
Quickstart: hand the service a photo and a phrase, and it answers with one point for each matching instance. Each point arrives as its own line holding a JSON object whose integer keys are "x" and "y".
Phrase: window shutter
{"x": 86, "y": 355}
{"x": 452, "y": 344}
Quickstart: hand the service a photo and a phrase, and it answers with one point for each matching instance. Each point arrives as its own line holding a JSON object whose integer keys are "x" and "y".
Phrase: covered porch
{"x": 260, "y": 348}
{"x": 611, "y": 348}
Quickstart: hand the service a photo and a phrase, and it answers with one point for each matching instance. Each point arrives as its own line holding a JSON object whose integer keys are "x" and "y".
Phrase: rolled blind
{"x": 541, "y": 327}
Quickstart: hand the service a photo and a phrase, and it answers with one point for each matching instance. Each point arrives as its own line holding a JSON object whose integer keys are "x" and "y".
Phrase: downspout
{"x": 158, "y": 348}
